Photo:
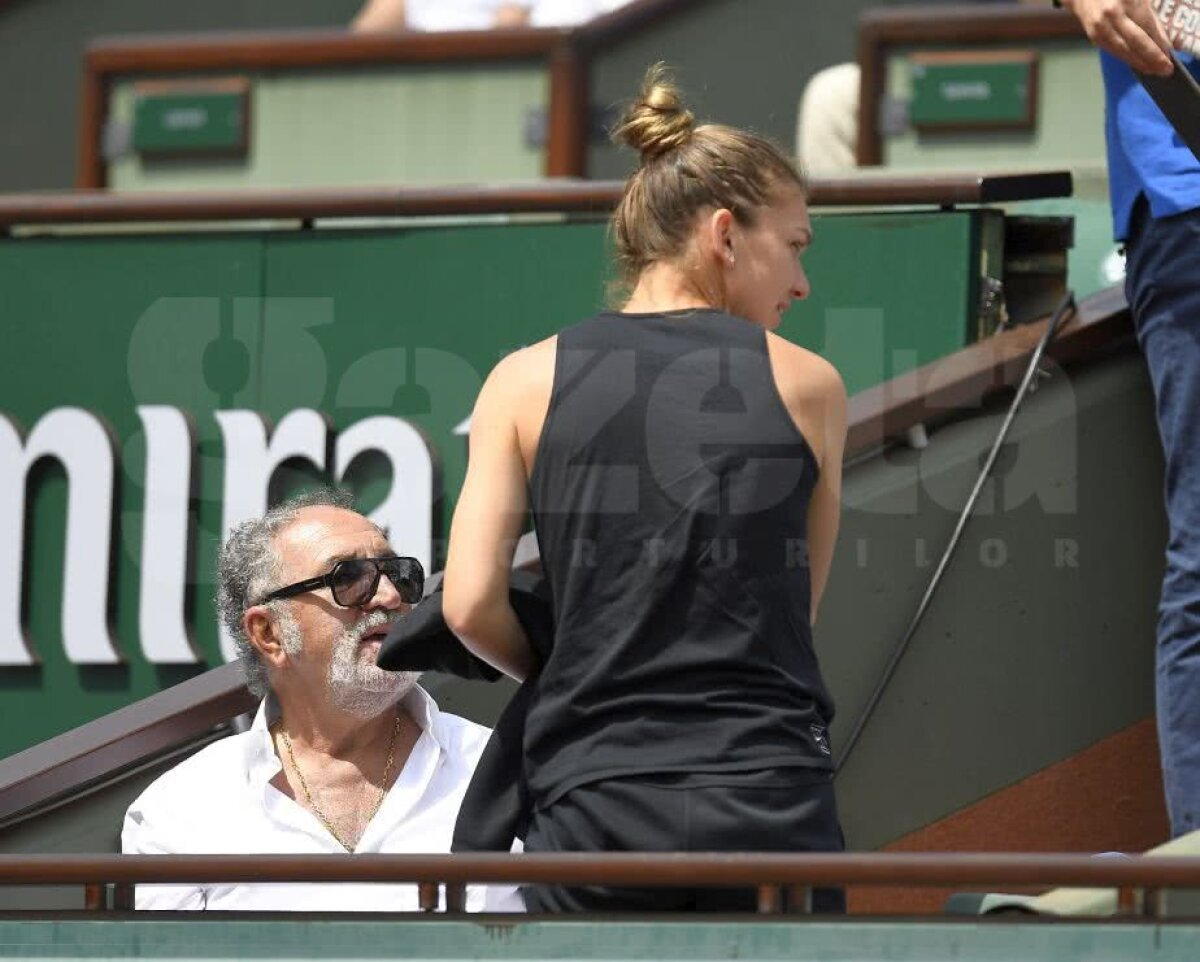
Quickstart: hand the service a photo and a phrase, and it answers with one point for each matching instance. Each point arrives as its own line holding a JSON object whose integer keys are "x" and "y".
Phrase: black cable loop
{"x": 1067, "y": 303}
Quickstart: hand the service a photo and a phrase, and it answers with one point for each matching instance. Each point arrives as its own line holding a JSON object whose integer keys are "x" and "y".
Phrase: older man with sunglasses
{"x": 342, "y": 756}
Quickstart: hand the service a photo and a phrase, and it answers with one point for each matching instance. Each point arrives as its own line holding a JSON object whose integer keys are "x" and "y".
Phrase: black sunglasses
{"x": 354, "y": 581}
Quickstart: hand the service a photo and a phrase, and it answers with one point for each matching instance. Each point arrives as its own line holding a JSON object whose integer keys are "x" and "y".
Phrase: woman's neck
{"x": 664, "y": 287}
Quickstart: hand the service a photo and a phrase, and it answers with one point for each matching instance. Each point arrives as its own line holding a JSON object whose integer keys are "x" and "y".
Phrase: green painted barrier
{"x": 696, "y": 939}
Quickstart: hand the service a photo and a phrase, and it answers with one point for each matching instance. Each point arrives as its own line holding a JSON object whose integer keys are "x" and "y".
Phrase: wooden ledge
{"x": 966, "y": 379}
{"x": 299, "y": 49}
{"x": 70, "y": 762}
{"x": 552, "y": 196}
{"x": 966, "y": 24}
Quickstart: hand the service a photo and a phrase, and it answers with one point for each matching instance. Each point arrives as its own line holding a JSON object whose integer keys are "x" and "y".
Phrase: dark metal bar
{"x": 94, "y": 897}
{"x": 122, "y": 895}
{"x": 427, "y": 896}
{"x": 1153, "y": 903}
{"x": 770, "y": 900}
{"x": 628, "y": 868}
{"x": 456, "y": 897}
{"x": 799, "y": 899}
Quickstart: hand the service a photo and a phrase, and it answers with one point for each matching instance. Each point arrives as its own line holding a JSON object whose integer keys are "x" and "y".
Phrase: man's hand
{"x": 1127, "y": 29}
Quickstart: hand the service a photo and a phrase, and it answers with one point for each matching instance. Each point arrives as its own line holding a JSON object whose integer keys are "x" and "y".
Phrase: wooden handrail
{"x": 306, "y": 48}
{"x": 616, "y": 868}
{"x": 303, "y": 48}
{"x": 70, "y": 762}
{"x": 564, "y": 196}
{"x": 966, "y": 379}
{"x": 880, "y": 30}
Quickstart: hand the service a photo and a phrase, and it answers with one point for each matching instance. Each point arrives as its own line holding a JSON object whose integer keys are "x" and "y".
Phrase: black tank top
{"x": 669, "y": 495}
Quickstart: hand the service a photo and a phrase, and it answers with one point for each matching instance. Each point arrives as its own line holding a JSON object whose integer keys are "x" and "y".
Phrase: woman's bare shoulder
{"x": 527, "y": 369}
{"x": 801, "y": 374}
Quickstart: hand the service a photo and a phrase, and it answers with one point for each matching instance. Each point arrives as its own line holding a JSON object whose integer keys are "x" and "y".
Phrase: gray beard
{"x": 356, "y": 684}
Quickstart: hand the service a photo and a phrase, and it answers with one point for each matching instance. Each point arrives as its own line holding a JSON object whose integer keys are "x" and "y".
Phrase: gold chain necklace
{"x": 387, "y": 771}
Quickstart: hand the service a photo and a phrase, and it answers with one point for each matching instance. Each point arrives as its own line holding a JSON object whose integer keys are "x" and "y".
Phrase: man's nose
{"x": 386, "y": 596}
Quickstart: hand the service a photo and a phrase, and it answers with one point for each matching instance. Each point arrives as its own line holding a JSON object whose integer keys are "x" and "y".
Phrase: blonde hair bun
{"x": 658, "y": 121}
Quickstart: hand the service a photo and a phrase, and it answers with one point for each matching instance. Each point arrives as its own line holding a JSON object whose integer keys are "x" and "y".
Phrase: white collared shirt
{"x": 220, "y": 801}
{"x": 481, "y": 14}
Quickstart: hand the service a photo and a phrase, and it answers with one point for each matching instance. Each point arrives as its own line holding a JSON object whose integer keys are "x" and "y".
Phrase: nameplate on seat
{"x": 974, "y": 91}
{"x": 192, "y": 118}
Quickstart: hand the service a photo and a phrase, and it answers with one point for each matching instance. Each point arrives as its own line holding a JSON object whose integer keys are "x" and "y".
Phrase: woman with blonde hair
{"x": 683, "y": 467}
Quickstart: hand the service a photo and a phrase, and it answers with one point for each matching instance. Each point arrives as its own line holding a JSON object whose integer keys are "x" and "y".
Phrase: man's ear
{"x": 263, "y": 634}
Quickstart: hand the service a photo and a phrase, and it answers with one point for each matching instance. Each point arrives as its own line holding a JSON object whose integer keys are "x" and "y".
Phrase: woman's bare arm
{"x": 825, "y": 508}
{"x": 380, "y": 16}
{"x": 815, "y": 397}
{"x": 488, "y": 520}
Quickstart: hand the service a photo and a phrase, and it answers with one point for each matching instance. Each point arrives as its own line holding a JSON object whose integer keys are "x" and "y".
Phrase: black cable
{"x": 1067, "y": 303}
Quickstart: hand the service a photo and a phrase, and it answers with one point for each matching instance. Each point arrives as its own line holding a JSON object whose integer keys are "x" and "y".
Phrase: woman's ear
{"x": 263, "y": 634}
{"x": 719, "y": 231}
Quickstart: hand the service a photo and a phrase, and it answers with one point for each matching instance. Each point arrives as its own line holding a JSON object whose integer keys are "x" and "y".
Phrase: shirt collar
{"x": 261, "y": 761}
{"x": 425, "y": 712}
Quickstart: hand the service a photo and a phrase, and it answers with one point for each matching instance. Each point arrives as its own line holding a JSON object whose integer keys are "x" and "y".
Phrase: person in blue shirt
{"x": 1154, "y": 183}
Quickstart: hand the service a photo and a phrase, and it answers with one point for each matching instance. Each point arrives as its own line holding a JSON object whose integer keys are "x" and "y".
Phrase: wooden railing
{"x": 881, "y": 30}
{"x": 61, "y": 766}
{"x": 966, "y": 379}
{"x": 577, "y": 197}
{"x": 1138, "y": 880}
{"x": 566, "y": 53}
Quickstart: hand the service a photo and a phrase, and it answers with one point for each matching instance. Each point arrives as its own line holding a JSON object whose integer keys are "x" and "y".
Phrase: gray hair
{"x": 249, "y": 566}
